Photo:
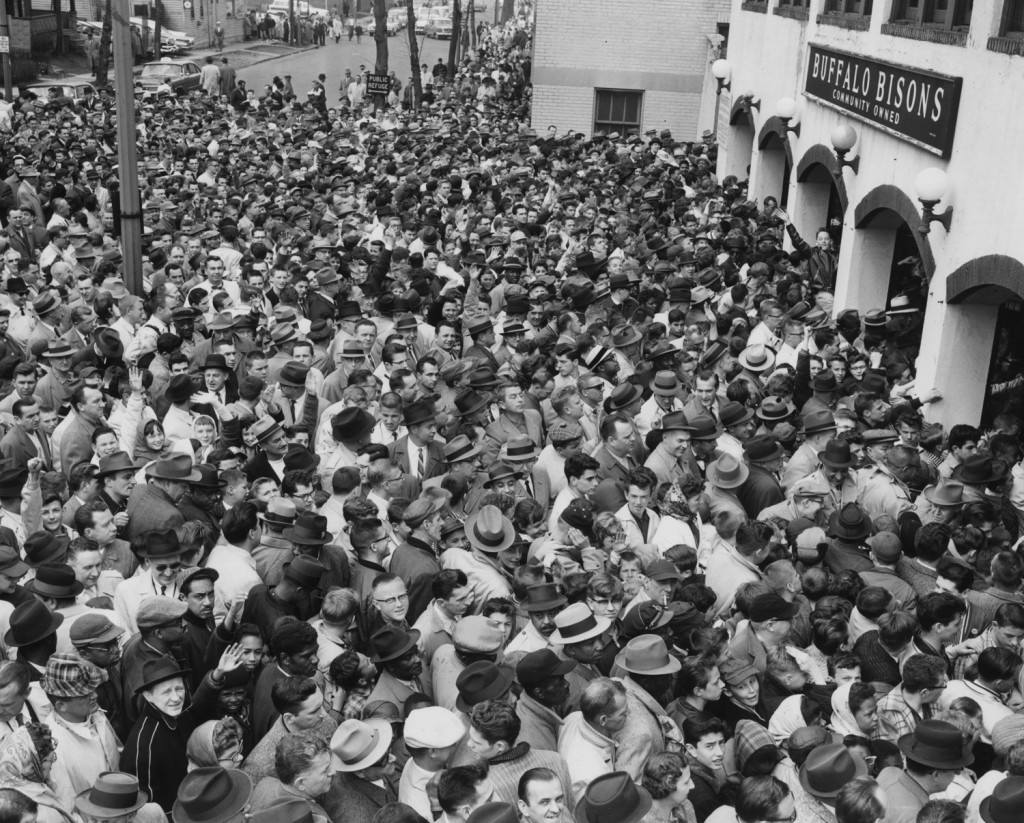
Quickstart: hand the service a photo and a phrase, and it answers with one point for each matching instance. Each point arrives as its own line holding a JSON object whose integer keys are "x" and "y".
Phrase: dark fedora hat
{"x": 820, "y": 420}
{"x": 116, "y": 462}
{"x": 31, "y": 622}
{"x": 1005, "y": 803}
{"x": 773, "y": 409}
{"x": 613, "y": 798}
{"x": 176, "y": 467}
{"x": 55, "y": 580}
{"x": 500, "y": 471}
{"x": 828, "y": 768}
{"x": 482, "y": 681}
{"x": 309, "y": 530}
{"x": 837, "y": 455}
{"x": 704, "y": 427}
{"x": 623, "y": 396}
{"x": 979, "y": 470}
{"x": 937, "y": 744}
{"x": 762, "y": 447}
{"x": 114, "y": 794}
{"x": 212, "y": 794}
{"x": 44, "y": 547}
{"x": 109, "y": 343}
{"x": 161, "y": 545}
{"x": 180, "y": 389}
{"x": 469, "y": 402}
{"x": 824, "y": 382}
{"x": 351, "y": 424}
{"x": 209, "y": 477}
{"x": 715, "y": 351}
{"x": 12, "y": 480}
{"x": 299, "y": 457}
{"x": 417, "y": 413}
{"x": 305, "y": 571}
{"x": 391, "y": 642}
{"x": 851, "y": 523}
{"x": 483, "y": 377}
{"x": 293, "y": 374}
{"x": 542, "y": 597}
{"x": 734, "y": 413}
{"x": 217, "y": 362}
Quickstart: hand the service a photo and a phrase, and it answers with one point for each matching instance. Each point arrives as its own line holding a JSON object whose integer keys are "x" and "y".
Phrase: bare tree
{"x": 414, "y": 56}
{"x": 103, "y": 57}
{"x": 508, "y": 9}
{"x": 158, "y": 30}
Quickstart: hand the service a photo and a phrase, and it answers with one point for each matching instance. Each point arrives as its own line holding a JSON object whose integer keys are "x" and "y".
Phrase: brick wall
{"x": 658, "y": 46}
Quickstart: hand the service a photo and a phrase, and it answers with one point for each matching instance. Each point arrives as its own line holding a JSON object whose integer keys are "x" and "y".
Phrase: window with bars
{"x": 618, "y": 110}
{"x": 1013, "y": 20}
{"x": 794, "y": 4}
{"x": 942, "y": 14}
{"x": 860, "y": 8}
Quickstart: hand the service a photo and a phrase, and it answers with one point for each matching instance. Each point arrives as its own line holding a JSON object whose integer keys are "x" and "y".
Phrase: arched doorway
{"x": 741, "y": 141}
{"x": 774, "y": 165}
{"x": 887, "y": 255}
{"x": 823, "y": 199}
{"x": 986, "y": 299}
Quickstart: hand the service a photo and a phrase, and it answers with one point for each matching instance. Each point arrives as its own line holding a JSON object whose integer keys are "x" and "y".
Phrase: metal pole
{"x": 5, "y": 31}
{"x": 127, "y": 150}
{"x": 718, "y": 102}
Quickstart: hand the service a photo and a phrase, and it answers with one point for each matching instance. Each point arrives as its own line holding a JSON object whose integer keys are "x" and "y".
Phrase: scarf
{"x": 788, "y": 717}
{"x": 200, "y": 750}
{"x": 22, "y": 769}
{"x": 843, "y": 721}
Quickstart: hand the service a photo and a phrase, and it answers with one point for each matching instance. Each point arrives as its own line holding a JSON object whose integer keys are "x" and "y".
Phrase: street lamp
{"x": 931, "y": 185}
{"x": 843, "y": 139}
{"x": 721, "y": 70}
{"x": 785, "y": 110}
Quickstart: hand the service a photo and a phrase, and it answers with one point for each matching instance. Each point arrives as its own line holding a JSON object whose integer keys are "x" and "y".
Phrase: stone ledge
{"x": 759, "y": 6}
{"x": 1013, "y": 46}
{"x": 925, "y": 33}
{"x": 843, "y": 21}
{"x": 792, "y": 13}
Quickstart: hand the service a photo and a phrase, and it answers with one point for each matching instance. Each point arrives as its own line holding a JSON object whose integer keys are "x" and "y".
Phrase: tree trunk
{"x": 414, "y": 56}
{"x": 471, "y": 26}
{"x": 103, "y": 58}
{"x": 158, "y": 29}
{"x": 453, "y": 45}
{"x": 508, "y": 8}
{"x": 380, "y": 36}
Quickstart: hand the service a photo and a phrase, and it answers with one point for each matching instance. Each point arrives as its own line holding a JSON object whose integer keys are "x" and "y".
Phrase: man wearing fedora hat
{"x": 819, "y": 427}
{"x": 934, "y": 753}
{"x": 403, "y": 674}
{"x": 212, "y": 794}
{"x": 475, "y": 638}
{"x": 300, "y": 406}
{"x": 613, "y": 796}
{"x": 650, "y": 670}
{"x": 116, "y": 796}
{"x": 725, "y": 477}
{"x": 582, "y": 636}
{"x": 490, "y": 534}
{"x": 364, "y": 770}
{"x": 544, "y": 701}
{"x": 419, "y": 453}
{"x": 153, "y": 505}
{"x": 884, "y": 487}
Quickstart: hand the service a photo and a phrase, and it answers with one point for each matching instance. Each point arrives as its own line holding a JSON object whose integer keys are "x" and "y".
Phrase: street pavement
{"x": 333, "y": 59}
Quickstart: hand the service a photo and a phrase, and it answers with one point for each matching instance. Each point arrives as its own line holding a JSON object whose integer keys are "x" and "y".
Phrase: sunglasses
{"x": 167, "y": 567}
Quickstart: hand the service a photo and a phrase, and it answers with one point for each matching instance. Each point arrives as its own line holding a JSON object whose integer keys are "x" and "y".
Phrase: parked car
{"x": 178, "y": 74}
{"x": 440, "y": 29}
{"x": 392, "y": 27}
{"x": 172, "y": 42}
{"x": 76, "y": 91}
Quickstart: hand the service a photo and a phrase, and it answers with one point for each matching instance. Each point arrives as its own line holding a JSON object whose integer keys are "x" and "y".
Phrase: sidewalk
{"x": 240, "y": 56}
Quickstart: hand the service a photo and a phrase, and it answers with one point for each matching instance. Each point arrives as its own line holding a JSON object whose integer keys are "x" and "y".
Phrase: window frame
{"x": 1012, "y": 9}
{"x": 849, "y": 8}
{"x": 623, "y": 127}
{"x": 923, "y": 15}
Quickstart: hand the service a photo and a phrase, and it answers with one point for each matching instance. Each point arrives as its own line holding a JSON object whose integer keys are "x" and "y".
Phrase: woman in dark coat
{"x": 156, "y": 749}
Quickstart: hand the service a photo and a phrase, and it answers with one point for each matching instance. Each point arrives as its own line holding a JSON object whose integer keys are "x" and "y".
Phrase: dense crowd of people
{"x": 451, "y": 470}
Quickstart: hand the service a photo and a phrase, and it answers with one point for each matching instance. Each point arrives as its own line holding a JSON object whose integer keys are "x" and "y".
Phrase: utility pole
{"x": 5, "y": 32}
{"x": 127, "y": 148}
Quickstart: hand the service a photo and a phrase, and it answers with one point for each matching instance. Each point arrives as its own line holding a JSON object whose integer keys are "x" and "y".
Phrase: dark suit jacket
{"x": 259, "y": 467}
{"x": 417, "y": 567}
{"x": 355, "y": 800}
{"x": 321, "y": 307}
{"x": 436, "y": 464}
{"x": 17, "y": 446}
{"x": 76, "y": 445}
{"x": 150, "y": 508}
{"x": 610, "y": 468}
{"x": 759, "y": 492}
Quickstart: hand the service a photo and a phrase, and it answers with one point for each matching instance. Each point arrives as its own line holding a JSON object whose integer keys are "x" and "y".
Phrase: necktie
{"x": 44, "y": 450}
{"x": 423, "y": 462}
{"x": 163, "y": 590}
{"x": 644, "y": 521}
{"x": 528, "y": 483}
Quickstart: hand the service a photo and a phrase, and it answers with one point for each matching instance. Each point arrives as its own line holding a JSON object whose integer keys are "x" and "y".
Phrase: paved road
{"x": 332, "y": 60}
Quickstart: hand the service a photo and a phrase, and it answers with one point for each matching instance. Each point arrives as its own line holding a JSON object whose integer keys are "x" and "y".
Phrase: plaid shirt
{"x": 896, "y": 718}
{"x": 354, "y": 702}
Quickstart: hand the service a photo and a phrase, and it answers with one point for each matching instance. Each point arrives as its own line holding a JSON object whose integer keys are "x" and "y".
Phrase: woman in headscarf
{"x": 793, "y": 713}
{"x": 25, "y": 762}
{"x": 215, "y": 743}
{"x": 854, "y": 710}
